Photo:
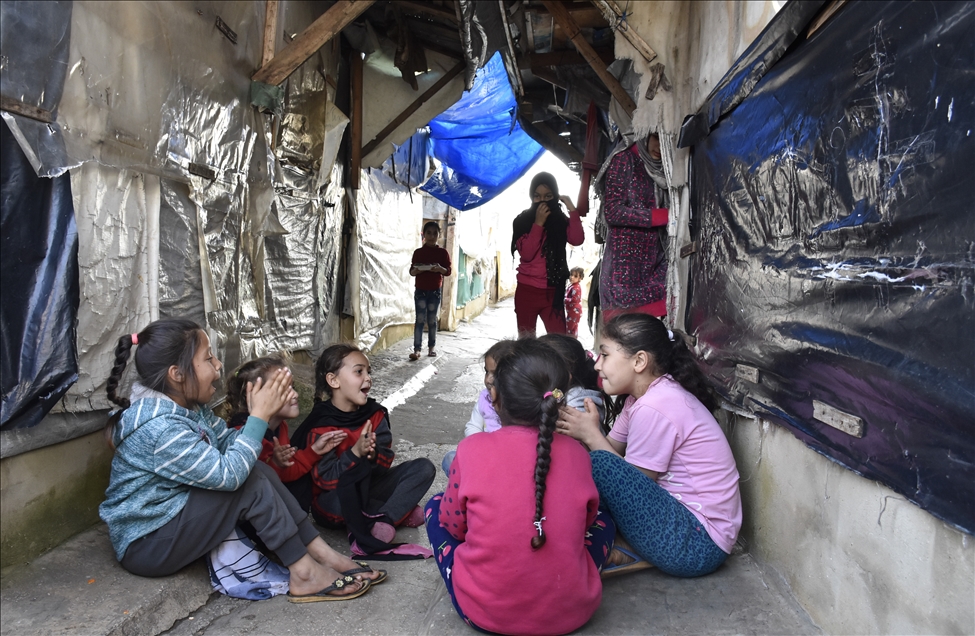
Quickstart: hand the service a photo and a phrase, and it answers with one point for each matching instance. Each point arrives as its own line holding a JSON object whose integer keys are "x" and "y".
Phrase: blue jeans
{"x": 427, "y": 311}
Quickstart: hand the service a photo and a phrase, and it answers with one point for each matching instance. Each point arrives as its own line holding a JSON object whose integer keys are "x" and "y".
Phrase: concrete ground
{"x": 79, "y": 588}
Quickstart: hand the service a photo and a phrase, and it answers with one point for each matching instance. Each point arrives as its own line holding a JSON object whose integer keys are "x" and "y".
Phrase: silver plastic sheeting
{"x": 300, "y": 265}
{"x": 117, "y": 212}
{"x": 180, "y": 275}
{"x": 387, "y": 231}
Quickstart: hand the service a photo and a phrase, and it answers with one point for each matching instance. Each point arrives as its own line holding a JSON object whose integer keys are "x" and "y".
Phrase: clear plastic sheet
{"x": 388, "y": 227}
{"x": 836, "y": 247}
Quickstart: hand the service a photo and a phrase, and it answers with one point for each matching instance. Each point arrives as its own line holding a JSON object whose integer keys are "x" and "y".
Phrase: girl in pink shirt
{"x": 517, "y": 535}
{"x": 665, "y": 472}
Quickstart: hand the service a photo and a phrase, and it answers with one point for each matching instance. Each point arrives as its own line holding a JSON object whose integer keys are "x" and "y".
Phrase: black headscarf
{"x": 556, "y": 226}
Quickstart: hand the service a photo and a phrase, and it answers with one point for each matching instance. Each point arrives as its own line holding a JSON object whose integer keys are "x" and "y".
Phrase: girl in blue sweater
{"x": 181, "y": 479}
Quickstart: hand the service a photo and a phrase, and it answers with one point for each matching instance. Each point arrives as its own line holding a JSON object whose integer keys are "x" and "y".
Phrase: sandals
{"x": 365, "y": 569}
{"x": 414, "y": 356}
{"x": 326, "y": 594}
{"x": 638, "y": 563}
{"x": 432, "y": 354}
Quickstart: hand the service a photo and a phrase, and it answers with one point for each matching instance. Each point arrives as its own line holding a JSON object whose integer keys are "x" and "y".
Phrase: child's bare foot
{"x": 324, "y": 554}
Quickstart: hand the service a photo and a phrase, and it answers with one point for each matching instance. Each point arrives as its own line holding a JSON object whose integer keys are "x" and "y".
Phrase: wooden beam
{"x": 270, "y": 30}
{"x": 614, "y": 15}
{"x": 412, "y": 108}
{"x": 26, "y": 110}
{"x": 355, "y": 163}
{"x": 564, "y": 58}
{"x": 327, "y": 26}
{"x": 571, "y": 28}
{"x": 551, "y": 141}
{"x": 429, "y": 8}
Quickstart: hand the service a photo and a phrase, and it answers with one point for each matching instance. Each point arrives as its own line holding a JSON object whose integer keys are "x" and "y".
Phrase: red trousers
{"x": 532, "y": 303}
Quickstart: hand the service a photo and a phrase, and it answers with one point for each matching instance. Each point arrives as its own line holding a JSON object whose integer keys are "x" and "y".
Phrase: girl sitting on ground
{"x": 583, "y": 380}
{"x": 292, "y": 466}
{"x": 363, "y": 460}
{"x": 516, "y": 534}
{"x": 665, "y": 471}
{"x": 181, "y": 480}
{"x": 484, "y": 419}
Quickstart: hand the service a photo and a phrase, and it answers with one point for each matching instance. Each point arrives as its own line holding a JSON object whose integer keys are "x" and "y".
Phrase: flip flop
{"x": 432, "y": 354}
{"x": 365, "y": 569}
{"x": 415, "y": 356}
{"x": 638, "y": 563}
{"x": 325, "y": 595}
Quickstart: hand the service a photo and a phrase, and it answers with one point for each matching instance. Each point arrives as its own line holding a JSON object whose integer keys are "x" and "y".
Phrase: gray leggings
{"x": 210, "y": 515}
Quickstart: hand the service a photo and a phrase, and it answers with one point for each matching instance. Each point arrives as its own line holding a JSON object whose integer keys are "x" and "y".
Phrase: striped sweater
{"x": 163, "y": 449}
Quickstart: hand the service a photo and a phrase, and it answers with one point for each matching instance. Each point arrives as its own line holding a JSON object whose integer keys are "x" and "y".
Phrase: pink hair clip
{"x": 135, "y": 338}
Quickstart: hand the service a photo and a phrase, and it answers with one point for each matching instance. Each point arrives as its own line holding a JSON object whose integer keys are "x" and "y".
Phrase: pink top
{"x": 531, "y": 269}
{"x": 499, "y": 581}
{"x": 669, "y": 431}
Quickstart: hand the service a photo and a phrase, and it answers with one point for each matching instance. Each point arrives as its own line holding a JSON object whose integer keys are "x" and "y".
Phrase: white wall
{"x": 859, "y": 558}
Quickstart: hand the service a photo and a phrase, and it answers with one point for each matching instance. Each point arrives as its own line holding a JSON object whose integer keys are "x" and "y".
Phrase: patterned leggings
{"x": 658, "y": 526}
{"x": 599, "y": 540}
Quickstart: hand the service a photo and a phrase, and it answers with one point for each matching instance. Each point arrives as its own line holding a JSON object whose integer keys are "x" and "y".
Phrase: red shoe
{"x": 415, "y": 519}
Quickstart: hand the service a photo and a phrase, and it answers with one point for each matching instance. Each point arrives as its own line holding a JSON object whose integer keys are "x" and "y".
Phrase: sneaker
{"x": 383, "y": 531}
{"x": 415, "y": 356}
{"x": 415, "y": 519}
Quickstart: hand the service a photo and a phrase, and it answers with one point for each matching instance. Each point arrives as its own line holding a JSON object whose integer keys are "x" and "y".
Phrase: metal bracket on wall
{"x": 849, "y": 424}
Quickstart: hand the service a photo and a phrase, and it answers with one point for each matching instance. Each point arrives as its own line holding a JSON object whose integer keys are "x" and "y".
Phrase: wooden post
{"x": 551, "y": 141}
{"x": 355, "y": 164}
{"x": 270, "y": 30}
{"x": 327, "y": 26}
{"x": 412, "y": 108}
{"x": 614, "y": 15}
{"x": 571, "y": 28}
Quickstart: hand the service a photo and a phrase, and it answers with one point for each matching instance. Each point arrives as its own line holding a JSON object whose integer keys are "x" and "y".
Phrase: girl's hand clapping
{"x": 283, "y": 454}
{"x": 328, "y": 441}
{"x": 365, "y": 446}
{"x": 265, "y": 399}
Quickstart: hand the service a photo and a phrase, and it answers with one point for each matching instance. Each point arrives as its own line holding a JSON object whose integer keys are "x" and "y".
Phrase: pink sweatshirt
{"x": 670, "y": 432}
{"x": 531, "y": 269}
{"x": 499, "y": 581}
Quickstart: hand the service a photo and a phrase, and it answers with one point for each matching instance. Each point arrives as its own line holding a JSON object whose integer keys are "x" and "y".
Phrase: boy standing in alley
{"x": 430, "y": 264}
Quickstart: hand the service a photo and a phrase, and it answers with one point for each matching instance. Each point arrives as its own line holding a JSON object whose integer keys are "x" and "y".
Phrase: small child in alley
{"x": 430, "y": 264}
{"x": 484, "y": 419}
{"x": 573, "y": 300}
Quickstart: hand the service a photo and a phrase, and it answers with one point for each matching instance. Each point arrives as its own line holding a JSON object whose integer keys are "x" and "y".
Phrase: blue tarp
{"x": 479, "y": 144}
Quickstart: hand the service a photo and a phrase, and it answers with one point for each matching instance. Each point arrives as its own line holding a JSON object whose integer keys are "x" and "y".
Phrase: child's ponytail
{"x": 546, "y": 429}
{"x": 122, "y": 350}
{"x": 640, "y": 332}
{"x": 530, "y": 383}
{"x": 161, "y": 345}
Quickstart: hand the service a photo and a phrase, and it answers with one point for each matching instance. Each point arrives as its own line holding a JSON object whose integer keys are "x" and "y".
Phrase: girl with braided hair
{"x": 517, "y": 534}
{"x": 181, "y": 480}
{"x": 665, "y": 472}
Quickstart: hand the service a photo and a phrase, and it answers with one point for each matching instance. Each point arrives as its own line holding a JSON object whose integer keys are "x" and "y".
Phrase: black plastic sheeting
{"x": 836, "y": 239}
{"x": 770, "y": 45}
{"x": 39, "y": 283}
